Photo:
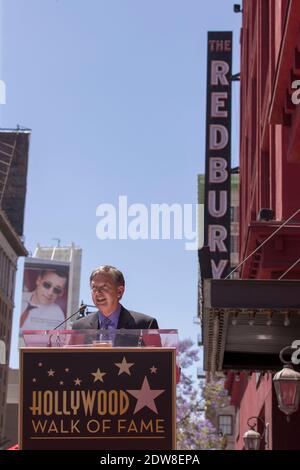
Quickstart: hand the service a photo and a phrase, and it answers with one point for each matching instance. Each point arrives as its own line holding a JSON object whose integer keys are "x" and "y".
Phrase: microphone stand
{"x": 81, "y": 309}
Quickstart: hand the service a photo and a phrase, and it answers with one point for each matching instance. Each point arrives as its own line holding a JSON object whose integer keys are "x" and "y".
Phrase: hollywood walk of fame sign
{"x": 93, "y": 399}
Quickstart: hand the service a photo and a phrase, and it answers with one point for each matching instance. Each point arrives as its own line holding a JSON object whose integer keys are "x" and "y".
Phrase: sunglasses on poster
{"x": 56, "y": 290}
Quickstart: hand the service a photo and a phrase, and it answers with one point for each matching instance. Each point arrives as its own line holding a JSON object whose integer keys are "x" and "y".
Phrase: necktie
{"x": 105, "y": 323}
{"x": 25, "y": 314}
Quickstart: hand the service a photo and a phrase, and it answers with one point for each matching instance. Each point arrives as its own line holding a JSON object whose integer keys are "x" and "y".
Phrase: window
{"x": 234, "y": 244}
{"x": 232, "y": 214}
{"x": 237, "y": 424}
{"x": 225, "y": 424}
{"x": 258, "y": 378}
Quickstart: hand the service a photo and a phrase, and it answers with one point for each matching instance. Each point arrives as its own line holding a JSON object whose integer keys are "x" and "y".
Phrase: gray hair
{"x": 111, "y": 271}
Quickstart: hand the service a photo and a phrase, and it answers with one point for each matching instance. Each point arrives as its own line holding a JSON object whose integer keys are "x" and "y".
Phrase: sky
{"x": 115, "y": 94}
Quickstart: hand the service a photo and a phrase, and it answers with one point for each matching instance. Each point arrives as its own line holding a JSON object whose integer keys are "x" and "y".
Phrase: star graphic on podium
{"x": 51, "y": 373}
{"x": 153, "y": 370}
{"x": 145, "y": 397}
{"x": 98, "y": 375}
{"x": 124, "y": 366}
{"x": 77, "y": 381}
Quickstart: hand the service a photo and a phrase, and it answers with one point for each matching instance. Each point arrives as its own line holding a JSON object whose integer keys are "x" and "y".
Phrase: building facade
{"x": 249, "y": 320}
{"x": 12, "y": 408}
{"x": 14, "y": 145}
{"x": 270, "y": 171}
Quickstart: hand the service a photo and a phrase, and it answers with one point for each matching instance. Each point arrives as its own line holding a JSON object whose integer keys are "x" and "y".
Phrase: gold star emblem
{"x": 124, "y": 366}
{"x": 153, "y": 370}
{"x": 145, "y": 397}
{"x": 51, "y": 373}
{"x": 77, "y": 381}
{"x": 98, "y": 375}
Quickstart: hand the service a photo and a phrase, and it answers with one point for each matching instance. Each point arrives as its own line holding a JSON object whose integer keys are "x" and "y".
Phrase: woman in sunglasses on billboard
{"x": 39, "y": 308}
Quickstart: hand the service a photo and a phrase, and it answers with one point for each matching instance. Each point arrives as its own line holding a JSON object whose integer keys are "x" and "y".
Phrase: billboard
{"x": 45, "y": 294}
{"x": 218, "y": 152}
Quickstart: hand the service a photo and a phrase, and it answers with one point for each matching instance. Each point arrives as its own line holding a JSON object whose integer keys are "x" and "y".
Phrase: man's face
{"x": 48, "y": 289}
{"x": 105, "y": 294}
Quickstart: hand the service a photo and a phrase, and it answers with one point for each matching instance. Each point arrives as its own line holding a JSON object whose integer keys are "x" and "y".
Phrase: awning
{"x": 247, "y": 322}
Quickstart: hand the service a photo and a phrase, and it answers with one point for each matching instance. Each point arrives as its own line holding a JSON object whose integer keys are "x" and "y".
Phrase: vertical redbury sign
{"x": 218, "y": 151}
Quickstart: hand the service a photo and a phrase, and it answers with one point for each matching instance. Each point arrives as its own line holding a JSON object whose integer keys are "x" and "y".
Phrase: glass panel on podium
{"x": 100, "y": 338}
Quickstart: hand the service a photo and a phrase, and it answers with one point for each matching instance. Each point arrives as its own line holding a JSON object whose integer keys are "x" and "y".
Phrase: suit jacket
{"x": 128, "y": 319}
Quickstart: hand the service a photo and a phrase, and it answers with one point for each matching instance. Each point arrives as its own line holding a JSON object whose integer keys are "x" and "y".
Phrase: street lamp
{"x": 251, "y": 437}
{"x": 287, "y": 386}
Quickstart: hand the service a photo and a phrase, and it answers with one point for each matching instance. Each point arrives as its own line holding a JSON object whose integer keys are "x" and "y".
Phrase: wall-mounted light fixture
{"x": 265, "y": 215}
{"x": 237, "y": 8}
{"x": 287, "y": 386}
{"x": 252, "y": 438}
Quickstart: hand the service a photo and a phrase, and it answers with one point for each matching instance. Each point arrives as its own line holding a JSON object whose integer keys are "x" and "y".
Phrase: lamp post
{"x": 251, "y": 437}
{"x": 287, "y": 386}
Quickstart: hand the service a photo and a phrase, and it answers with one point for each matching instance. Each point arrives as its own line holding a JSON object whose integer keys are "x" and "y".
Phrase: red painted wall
{"x": 269, "y": 154}
{"x": 269, "y": 178}
{"x": 256, "y": 401}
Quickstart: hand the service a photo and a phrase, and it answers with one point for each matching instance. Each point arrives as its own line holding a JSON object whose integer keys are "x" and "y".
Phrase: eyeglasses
{"x": 56, "y": 290}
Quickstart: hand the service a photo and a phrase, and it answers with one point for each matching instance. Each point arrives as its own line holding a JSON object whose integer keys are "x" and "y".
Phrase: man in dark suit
{"x": 108, "y": 286}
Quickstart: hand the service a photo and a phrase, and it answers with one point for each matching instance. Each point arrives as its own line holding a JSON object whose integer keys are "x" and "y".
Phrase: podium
{"x": 98, "y": 390}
